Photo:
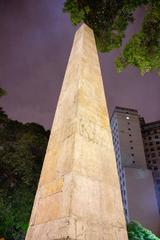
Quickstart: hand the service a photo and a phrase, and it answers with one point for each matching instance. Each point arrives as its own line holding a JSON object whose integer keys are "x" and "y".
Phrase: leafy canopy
{"x": 109, "y": 20}
{"x": 22, "y": 149}
{"x": 2, "y": 92}
{"x": 137, "y": 232}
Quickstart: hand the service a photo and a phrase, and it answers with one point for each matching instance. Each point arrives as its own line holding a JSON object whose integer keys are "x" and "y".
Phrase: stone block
{"x": 48, "y": 208}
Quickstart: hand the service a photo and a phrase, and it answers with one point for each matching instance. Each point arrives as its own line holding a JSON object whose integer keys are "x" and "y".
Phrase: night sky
{"x": 35, "y": 43}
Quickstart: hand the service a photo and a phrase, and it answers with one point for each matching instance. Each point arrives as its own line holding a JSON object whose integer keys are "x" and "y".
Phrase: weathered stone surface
{"x": 49, "y": 208}
{"x": 52, "y": 188}
{"x": 78, "y": 195}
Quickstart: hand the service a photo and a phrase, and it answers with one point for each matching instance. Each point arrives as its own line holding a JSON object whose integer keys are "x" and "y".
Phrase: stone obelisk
{"x": 78, "y": 195}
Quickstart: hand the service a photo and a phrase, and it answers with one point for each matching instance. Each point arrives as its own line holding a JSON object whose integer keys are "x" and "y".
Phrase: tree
{"x": 143, "y": 49}
{"x": 109, "y": 20}
{"x": 137, "y": 232}
{"x": 22, "y": 150}
{"x": 2, "y": 92}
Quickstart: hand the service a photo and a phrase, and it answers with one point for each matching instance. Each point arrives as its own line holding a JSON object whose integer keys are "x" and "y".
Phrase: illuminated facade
{"x": 139, "y": 202}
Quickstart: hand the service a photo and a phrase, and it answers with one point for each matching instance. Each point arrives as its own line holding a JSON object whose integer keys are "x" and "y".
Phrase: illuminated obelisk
{"x": 78, "y": 195}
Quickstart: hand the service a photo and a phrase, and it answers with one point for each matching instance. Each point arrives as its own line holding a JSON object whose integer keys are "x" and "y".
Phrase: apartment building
{"x": 151, "y": 139}
{"x": 136, "y": 180}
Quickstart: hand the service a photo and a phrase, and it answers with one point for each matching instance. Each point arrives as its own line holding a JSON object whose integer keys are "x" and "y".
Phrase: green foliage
{"x": 109, "y": 20}
{"x": 2, "y": 92}
{"x": 143, "y": 49}
{"x": 22, "y": 149}
{"x": 76, "y": 13}
{"x": 137, "y": 232}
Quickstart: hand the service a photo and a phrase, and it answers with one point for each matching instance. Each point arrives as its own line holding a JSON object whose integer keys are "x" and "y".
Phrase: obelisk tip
{"x": 85, "y": 27}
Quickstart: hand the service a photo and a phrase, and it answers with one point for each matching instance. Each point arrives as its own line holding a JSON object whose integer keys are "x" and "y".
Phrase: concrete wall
{"x": 142, "y": 199}
{"x": 131, "y": 143}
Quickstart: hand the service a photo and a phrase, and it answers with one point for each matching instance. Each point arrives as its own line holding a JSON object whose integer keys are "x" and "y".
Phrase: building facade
{"x": 139, "y": 201}
{"x": 151, "y": 139}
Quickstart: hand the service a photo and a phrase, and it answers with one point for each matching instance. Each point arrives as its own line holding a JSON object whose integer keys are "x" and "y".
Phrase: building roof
{"x": 124, "y": 110}
{"x": 151, "y": 125}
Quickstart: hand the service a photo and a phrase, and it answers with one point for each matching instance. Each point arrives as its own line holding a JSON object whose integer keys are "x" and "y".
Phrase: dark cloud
{"x": 36, "y": 39}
